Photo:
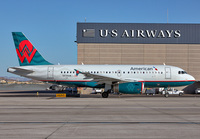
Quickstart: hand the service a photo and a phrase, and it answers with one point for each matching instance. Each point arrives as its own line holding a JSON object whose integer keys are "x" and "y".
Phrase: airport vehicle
{"x": 129, "y": 79}
{"x": 56, "y": 87}
{"x": 150, "y": 91}
{"x": 197, "y": 91}
{"x": 96, "y": 91}
{"x": 173, "y": 91}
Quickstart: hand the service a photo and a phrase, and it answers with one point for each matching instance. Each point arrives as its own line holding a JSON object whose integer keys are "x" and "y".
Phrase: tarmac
{"x": 90, "y": 116}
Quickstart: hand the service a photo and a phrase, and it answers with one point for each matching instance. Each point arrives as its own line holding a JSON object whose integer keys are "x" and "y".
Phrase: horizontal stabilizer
{"x": 19, "y": 70}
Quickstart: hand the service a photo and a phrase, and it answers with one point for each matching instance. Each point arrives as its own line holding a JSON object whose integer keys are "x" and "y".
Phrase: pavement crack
{"x": 67, "y": 121}
{"x": 55, "y": 131}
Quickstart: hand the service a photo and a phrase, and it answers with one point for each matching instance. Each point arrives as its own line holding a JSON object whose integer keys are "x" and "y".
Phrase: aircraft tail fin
{"x": 27, "y": 54}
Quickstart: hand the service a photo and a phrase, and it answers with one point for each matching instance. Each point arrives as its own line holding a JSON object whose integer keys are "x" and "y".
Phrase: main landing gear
{"x": 107, "y": 90}
{"x": 105, "y": 94}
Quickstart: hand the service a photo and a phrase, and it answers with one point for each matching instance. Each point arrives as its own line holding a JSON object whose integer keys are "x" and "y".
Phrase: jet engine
{"x": 128, "y": 87}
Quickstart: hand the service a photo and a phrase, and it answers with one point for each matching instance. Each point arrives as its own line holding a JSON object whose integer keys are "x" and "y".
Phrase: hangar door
{"x": 50, "y": 72}
{"x": 167, "y": 73}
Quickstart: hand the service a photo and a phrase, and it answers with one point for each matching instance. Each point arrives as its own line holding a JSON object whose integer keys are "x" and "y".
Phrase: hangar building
{"x": 140, "y": 43}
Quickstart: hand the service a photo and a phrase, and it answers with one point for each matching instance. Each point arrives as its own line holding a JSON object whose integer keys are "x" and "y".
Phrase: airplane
{"x": 127, "y": 79}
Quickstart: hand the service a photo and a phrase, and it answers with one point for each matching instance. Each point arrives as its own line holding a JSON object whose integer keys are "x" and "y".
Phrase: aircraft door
{"x": 50, "y": 71}
{"x": 167, "y": 73}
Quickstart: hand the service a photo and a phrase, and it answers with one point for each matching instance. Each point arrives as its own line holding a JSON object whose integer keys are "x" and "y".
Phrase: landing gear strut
{"x": 105, "y": 94}
{"x": 107, "y": 90}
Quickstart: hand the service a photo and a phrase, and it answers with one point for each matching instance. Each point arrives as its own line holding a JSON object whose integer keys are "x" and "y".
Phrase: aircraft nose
{"x": 191, "y": 78}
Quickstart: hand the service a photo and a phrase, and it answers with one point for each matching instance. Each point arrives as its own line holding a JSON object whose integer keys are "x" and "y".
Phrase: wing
{"x": 106, "y": 78}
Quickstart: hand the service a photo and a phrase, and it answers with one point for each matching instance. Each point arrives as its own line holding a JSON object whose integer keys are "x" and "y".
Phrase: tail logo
{"x": 155, "y": 68}
{"x": 77, "y": 73}
{"x": 26, "y": 51}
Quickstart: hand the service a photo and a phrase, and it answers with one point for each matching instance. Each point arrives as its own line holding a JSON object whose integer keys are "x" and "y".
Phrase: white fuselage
{"x": 150, "y": 75}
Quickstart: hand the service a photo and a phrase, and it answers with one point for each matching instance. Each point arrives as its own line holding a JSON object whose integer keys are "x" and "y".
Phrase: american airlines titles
{"x": 141, "y": 68}
{"x": 141, "y": 33}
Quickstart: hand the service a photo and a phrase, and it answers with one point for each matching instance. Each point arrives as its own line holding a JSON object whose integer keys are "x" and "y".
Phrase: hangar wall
{"x": 186, "y": 56}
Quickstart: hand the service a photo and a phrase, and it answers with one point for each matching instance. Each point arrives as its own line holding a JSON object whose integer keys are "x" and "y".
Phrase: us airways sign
{"x": 140, "y": 33}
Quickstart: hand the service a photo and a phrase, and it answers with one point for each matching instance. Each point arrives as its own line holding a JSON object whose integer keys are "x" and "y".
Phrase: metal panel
{"x": 138, "y": 33}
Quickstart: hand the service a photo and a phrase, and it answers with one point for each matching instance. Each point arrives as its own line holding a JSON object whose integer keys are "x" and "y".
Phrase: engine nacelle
{"x": 128, "y": 88}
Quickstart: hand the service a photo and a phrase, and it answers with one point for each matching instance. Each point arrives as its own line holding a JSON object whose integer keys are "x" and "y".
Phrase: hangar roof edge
{"x": 138, "y": 33}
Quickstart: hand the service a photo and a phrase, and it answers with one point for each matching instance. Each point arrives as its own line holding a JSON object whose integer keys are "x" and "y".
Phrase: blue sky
{"x": 51, "y": 24}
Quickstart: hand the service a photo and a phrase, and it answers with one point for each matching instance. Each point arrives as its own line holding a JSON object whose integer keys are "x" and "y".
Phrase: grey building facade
{"x": 140, "y": 43}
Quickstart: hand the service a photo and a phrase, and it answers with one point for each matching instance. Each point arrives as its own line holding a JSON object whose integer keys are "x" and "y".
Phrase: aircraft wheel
{"x": 104, "y": 94}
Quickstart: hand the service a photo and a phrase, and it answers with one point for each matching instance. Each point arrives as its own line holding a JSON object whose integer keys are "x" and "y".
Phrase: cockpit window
{"x": 182, "y": 72}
